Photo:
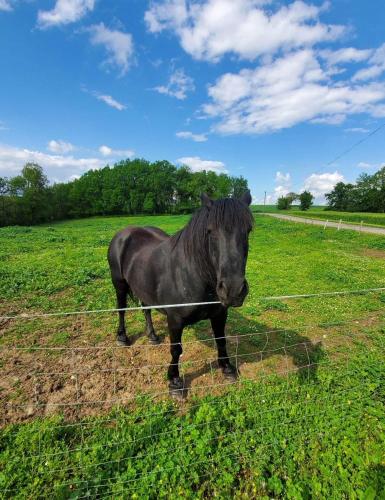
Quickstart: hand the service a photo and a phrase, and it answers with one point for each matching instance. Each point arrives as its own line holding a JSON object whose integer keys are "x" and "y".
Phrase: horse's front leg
{"x": 176, "y": 385}
{"x": 218, "y": 324}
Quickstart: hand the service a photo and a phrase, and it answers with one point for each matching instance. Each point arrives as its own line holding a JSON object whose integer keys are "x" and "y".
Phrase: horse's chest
{"x": 200, "y": 314}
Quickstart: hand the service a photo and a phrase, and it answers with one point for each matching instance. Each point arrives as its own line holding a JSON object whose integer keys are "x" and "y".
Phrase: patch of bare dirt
{"x": 79, "y": 379}
{"x": 374, "y": 253}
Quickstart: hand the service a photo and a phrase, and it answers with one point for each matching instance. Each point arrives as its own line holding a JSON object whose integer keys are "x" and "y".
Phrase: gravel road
{"x": 352, "y": 227}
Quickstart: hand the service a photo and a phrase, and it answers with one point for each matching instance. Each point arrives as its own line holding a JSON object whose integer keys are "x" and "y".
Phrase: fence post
{"x": 326, "y": 223}
{"x": 362, "y": 222}
{"x": 339, "y": 224}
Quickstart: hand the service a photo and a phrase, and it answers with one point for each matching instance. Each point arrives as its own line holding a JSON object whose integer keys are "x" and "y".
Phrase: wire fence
{"x": 113, "y": 388}
{"x": 26, "y": 316}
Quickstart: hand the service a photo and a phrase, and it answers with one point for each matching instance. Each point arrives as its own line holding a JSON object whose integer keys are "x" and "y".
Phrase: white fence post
{"x": 326, "y": 223}
{"x": 339, "y": 224}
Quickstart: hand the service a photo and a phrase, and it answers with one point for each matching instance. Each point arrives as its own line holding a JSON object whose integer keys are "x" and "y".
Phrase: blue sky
{"x": 271, "y": 90}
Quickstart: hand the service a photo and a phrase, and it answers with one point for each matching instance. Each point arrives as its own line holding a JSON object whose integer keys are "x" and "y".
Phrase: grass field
{"x": 318, "y": 212}
{"x": 306, "y": 419}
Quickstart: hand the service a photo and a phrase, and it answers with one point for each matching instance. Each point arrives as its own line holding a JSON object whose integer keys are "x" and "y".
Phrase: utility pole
{"x": 264, "y": 201}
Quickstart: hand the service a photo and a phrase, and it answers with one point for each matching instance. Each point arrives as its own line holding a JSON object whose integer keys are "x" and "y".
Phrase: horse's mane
{"x": 225, "y": 213}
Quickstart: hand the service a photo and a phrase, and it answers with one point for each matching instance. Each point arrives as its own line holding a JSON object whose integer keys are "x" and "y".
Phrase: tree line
{"x": 305, "y": 200}
{"x": 366, "y": 195}
{"x": 129, "y": 187}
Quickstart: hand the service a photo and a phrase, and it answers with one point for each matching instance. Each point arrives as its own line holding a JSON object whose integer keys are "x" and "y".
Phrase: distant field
{"x": 307, "y": 419}
{"x": 319, "y": 212}
{"x": 351, "y": 217}
{"x": 274, "y": 209}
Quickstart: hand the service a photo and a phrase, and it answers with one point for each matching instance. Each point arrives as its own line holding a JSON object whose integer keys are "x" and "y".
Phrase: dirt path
{"x": 353, "y": 227}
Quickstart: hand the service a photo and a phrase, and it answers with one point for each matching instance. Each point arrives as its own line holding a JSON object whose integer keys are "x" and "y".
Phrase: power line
{"x": 355, "y": 145}
{"x": 346, "y": 151}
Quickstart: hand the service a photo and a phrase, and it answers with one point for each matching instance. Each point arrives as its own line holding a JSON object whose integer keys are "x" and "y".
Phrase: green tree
{"x": 4, "y": 186}
{"x": 292, "y": 197}
{"x": 239, "y": 186}
{"x": 17, "y": 185}
{"x": 283, "y": 203}
{"x": 4, "y": 190}
{"x": 33, "y": 190}
{"x": 149, "y": 204}
{"x": 306, "y": 200}
{"x": 341, "y": 197}
{"x": 129, "y": 187}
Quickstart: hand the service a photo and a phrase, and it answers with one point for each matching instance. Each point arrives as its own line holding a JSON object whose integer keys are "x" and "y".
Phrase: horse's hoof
{"x": 231, "y": 377}
{"x": 123, "y": 341}
{"x": 177, "y": 389}
{"x": 155, "y": 340}
{"x": 178, "y": 394}
{"x": 230, "y": 373}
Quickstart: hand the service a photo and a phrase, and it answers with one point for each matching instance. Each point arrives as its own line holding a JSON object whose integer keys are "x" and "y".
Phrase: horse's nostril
{"x": 244, "y": 287}
{"x": 221, "y": 285}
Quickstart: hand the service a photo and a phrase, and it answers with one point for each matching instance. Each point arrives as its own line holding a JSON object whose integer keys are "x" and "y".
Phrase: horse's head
{"x": 228, "y": 224}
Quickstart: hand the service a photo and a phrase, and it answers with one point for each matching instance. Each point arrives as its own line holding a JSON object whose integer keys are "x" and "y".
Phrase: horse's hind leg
{"x": 121, "y": 295}
{"x": 152, "y": 336}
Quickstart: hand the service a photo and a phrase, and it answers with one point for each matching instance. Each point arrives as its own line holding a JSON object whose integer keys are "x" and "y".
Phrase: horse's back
{"x": 128, "y": 244}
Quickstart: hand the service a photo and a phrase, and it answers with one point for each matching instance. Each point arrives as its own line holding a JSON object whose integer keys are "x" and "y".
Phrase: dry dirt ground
{"x": 78, "y": 380}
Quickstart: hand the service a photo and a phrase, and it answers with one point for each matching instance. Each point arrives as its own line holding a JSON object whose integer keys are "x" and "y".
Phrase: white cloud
{"x": 286, "y": 91}
{"x": 196, "y": 164}
{"x": 60, "y": 147}
{"x": 110, "y": 101}
{"x": 345, "y": 55}
{"x": 118, "y": 44}
{"x": 282, "y": 178}
{"x": 193, "y": 137}
{"x": 167, "y": 14}
{"x": 12, "y": 159}
{"x": 5, "y": 5}
{"x": 376, "y": 65}
{"x": 178, "y": 85}
{"x": 320, "y": 184}
{"x": 121, "y": 153}
{"x": 212, "y": 28}
{"x": 107, "y": 99}
{"x": 366, "y": 166}
{"x": 283, "y": 185}
{"x": 359, "y": 130}
{"x": 65, "y": 12}
{"x": 105, "y": 150}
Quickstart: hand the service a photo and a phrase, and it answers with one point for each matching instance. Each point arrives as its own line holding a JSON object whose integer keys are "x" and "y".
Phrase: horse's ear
{"x": 246, "y": 198}
{"x": 206, "y": 200}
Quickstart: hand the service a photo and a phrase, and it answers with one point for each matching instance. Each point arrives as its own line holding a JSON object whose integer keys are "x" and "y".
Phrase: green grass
{"x": 274, "y": 209}
{"x": 317, "y": 433}
{"x": 323, "y": 438}
{"x": 318, "y": 212}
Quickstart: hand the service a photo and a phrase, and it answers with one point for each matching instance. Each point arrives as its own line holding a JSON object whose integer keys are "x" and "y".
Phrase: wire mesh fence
{"x": 121, "y": 395}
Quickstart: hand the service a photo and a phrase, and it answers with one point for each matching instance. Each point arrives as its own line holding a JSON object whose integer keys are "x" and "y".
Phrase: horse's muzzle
{"x": 232, "y": 294}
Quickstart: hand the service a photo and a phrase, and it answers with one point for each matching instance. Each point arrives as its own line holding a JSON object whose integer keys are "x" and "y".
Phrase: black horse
{"x": 203, "y": 262}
